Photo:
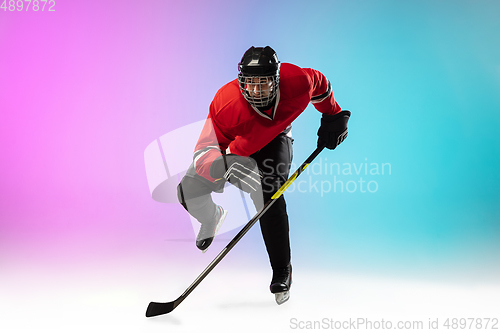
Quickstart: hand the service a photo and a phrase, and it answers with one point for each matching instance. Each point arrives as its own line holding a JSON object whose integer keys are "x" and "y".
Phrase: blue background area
{"x": 422, "y": 80}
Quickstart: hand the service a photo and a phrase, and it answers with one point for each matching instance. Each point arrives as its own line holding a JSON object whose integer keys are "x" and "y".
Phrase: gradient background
{"x": 84, "y": 90}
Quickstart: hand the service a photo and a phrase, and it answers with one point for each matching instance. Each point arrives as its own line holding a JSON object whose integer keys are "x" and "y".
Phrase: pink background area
{"x": 83, "y": 90}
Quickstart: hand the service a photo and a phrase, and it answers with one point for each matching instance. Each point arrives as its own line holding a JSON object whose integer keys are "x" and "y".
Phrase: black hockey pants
{"x": 274, "y": 161}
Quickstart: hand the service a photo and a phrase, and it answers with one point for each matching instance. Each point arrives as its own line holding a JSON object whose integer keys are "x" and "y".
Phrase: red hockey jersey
{"x": 234, "y": 126}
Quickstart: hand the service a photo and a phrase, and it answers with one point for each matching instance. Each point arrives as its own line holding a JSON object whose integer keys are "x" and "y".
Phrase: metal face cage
{"x": 259, "y": 91}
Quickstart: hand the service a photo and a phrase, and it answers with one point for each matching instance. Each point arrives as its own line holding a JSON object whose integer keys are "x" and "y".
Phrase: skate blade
{"x": 223, "y": 217}
{"x": 282, "y": 297}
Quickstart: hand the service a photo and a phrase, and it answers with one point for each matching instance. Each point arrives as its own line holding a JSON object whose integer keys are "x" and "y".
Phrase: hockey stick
{"x": 156, "y": 309}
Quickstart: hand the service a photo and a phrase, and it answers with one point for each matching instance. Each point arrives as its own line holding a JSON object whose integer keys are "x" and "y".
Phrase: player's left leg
{"x": 274, "y": 161}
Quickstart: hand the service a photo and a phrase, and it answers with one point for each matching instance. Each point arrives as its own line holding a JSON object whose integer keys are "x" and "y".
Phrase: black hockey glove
{"x": 240, "y": 171}
{"x": 333, "y": 129}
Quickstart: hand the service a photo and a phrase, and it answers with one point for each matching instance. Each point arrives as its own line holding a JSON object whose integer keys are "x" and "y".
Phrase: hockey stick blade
{"x": 157, "y": 309}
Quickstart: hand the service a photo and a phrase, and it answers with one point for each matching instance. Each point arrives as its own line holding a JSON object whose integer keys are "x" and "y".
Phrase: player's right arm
{"x": 213, "y": 159}
{"x": 211, "y": 143}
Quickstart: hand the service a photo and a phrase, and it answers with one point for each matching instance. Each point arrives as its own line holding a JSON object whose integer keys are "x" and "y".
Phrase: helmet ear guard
{"x": 259, "y": 76}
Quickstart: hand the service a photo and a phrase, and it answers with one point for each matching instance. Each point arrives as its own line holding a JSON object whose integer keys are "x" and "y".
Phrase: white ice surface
{"x": 230, "y": 299}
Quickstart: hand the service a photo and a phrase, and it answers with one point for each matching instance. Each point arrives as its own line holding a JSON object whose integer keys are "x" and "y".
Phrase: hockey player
{"x": 247, "y": 141}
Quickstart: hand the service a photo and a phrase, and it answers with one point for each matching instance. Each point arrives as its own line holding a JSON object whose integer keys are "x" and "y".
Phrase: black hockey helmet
{"x": 259, "y": 75}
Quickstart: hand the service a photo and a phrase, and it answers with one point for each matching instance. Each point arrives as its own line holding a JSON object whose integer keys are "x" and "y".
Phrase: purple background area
{"x": 83, "y": 91}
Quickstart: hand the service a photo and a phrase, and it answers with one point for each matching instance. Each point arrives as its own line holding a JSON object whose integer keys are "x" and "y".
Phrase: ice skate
{"x": 208, "y": 230}
{"x": 281, "y": 283}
